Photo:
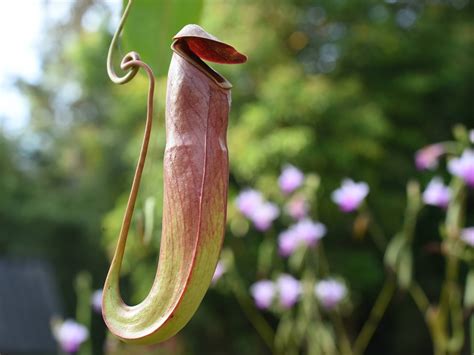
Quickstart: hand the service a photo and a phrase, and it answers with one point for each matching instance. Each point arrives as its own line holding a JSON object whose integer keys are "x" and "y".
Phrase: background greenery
{"x": 337, "y": 87}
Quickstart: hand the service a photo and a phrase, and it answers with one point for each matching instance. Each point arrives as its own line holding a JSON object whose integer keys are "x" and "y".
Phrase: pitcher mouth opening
{"x": 181, "y": 47}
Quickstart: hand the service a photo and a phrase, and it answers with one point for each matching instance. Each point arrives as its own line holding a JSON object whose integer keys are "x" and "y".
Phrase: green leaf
{"x": 151, "y": 26}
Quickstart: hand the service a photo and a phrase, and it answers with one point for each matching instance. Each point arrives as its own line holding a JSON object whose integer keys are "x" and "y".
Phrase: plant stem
{"x": 344, "y": 342}
{"x": 450, "y": 300}
{"x": 375, "y": 230}
{"x": 471, "y": 332}
{"x": 375, "y": 316}
{"x": 419, "y": 297}
{"x": 83, "y": 288}
{"x": 438, "y": 338}
{"x": 323, "y": 262}
{"x": 451, "y": 308}
{"x": 377, "y": 234}
{"x": 256, "y": 319}
{"x": 435, "y": 325}
{"x": 456, "y": 341}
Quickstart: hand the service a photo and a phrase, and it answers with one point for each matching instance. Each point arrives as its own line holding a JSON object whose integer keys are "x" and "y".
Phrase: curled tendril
{"x": 131, "y": 63}
{"x": 134, "y": 57}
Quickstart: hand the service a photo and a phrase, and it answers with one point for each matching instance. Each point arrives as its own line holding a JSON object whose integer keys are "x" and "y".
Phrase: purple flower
{"x": 289, "y": 290}
{"x": 437, "y": 194}
{"x": 330, "y": 292}
{"x": 350, "y": 195}
{"x": 467, "y": 235}
{"x": 261, "y": 213}
{"x": 427, "y": 158}
{"x": 71, "y": 335}
{"x": 288, "y": 242}
{"x": 463, "y": 167}
{"x": 220, "y": 270}
{"x": 309, "y": 232}
{"x": 297, "y": 208}
{"x": 248, "y": 201}
{"x": 96, "y": 301}
{"x": 305, "y": 232}
{"x": 264, "y": 215}
{"x": 290, "y": 179}
{"x": 263, "y": 292}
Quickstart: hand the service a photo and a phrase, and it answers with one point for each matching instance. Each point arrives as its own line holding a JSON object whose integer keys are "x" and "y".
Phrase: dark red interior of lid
{"x": 214, "y": 51}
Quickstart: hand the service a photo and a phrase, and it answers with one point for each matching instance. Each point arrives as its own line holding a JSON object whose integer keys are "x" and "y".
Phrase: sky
{"x": 22, "y": 28}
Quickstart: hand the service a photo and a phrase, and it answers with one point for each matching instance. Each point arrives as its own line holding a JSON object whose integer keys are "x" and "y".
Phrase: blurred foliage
{"x": 338, "y": 87}
{"x": 162, "y": 19}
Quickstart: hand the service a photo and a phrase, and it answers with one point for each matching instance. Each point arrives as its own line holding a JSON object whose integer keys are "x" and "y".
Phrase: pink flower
{"x": 220, "y": 270}
{"x": 427, "y": 157}
{"x": 330, "y": 292}
{"x": 264, "y": 215}
{"x": 437, "y": 194}
{"x": 309, "y": 232}
{"x": 305, "y": 232}
{"x": 467, "y": 235}
{"x": 248, "y": 201}
{"x": 463, "y": 167}
{"x": 263, "y": 293}
{"x": 297, "y": 208}
{"x": 289, "y": 290}
{"x": 261, "y": 213}
{"x": 290, "y": 179}
{"x": 71, "y": 335}
{"x": 288, "y": 242}
{"x": 96, "y": 301}
{"x": 350, "y": 195}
